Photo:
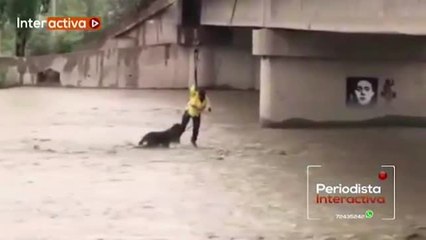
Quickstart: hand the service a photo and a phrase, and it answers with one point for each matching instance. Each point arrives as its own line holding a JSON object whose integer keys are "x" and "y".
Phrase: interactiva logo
{"x": 62, "y": 23}
{"x": 359, "y": 194}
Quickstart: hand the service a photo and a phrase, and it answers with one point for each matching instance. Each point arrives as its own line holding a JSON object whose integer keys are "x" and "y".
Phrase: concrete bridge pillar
{"x": 266, "y": 87}
{"x": 316, "y": 79}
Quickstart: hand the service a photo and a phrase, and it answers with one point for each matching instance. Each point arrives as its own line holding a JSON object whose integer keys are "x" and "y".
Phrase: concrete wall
{"x": 164, "y": 66}
{"x": 227, "y": 67}
{"x": 306, "y": 79}
{"x": 147, "y": 55}
{"x": 226, "y": 59}
{"x": 315, "y": 89}
{"x": 159, "y": 29}
{"x": 123, "y": 42}
{"x": 384, "y": 16}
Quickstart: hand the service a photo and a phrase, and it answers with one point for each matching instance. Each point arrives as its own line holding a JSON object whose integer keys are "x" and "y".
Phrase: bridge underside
{"x": 361, "y": 16}
{"x": 313, "y": 79}
{"x": 337, "y": 63}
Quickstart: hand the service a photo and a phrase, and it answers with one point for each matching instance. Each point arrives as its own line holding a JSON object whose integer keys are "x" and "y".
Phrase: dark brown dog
{"x": 163, "y": 139}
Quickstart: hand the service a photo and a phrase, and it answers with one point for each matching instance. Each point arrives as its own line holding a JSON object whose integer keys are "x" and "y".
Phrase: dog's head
{"x": 176, "y": 131}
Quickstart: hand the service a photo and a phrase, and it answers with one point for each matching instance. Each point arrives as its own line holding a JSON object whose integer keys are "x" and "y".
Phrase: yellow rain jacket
{"x": 195, "y": 107}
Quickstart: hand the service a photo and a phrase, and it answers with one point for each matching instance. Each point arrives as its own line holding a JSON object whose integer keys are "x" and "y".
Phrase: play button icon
{"x": 95, "y": 23}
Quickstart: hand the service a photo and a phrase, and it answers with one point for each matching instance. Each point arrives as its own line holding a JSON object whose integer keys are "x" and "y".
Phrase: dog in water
{"x": 164, "y": 138}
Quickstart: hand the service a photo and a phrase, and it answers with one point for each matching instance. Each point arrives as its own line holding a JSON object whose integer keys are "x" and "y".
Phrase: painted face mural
{"x": 364, "y": 92}
{"x": 361, "y": 91}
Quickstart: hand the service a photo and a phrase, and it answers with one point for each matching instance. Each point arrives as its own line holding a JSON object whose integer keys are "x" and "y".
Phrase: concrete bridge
{"x": 315, "y": 55}
{"x": 315, "y": 63}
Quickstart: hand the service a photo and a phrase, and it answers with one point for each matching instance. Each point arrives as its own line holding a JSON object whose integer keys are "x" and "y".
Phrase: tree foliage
{"x": 40, "y": 41}
{"x": 3, "y": 15}
{"x": 25, "y": 10}
{"x": 127, "y": 7}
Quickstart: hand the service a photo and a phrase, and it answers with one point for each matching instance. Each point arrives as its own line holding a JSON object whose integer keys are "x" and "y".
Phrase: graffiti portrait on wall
{"x": 361, "y": 91}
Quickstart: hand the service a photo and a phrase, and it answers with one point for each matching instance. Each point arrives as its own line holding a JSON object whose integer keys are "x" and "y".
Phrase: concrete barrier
{"x": 162, "y": 66}
{"x": 167, "y": 66}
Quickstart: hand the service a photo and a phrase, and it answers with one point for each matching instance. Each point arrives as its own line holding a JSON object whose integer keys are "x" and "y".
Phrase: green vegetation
{"x": 23, "y": 42}
{"x": 3, "y": 80}
{"x": 24, "y": 9}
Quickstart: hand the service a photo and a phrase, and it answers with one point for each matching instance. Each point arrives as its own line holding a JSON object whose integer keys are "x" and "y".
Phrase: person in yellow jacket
{"x": 198, "y": 103}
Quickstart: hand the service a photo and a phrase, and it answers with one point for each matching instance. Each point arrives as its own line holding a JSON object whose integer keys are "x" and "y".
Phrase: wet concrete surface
{"x": 69, "y": 170}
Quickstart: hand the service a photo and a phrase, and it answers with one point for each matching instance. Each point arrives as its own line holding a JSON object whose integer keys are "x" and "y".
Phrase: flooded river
{"x": 69, "y": 170}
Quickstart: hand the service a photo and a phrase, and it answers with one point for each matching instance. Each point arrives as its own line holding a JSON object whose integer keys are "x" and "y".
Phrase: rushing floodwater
{"x": 69, "y": 170}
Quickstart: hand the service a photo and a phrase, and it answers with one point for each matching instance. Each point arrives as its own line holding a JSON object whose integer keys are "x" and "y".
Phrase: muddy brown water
{"x": 69, "y": 170}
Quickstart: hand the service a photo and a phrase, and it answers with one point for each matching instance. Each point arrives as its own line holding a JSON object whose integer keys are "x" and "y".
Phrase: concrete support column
{"x": 311, "y": 79}
{"x": 266, "y": 95}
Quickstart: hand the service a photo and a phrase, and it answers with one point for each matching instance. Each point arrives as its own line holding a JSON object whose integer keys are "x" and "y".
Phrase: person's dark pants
{"x": 196, "y": 121}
